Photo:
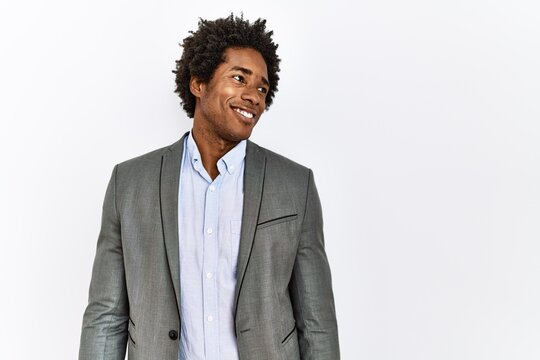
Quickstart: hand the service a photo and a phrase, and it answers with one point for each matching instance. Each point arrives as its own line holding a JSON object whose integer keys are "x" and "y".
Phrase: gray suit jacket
{"x": 284, "y": 301}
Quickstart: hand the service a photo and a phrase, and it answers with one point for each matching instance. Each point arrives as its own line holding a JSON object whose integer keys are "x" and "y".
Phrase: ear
{"x": 196, "y": 86}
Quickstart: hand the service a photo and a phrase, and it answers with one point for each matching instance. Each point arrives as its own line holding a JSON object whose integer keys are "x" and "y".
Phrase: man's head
{"x": 211, "y": 46}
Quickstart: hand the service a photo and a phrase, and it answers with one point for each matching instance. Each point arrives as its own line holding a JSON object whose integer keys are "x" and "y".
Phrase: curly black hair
{"x": 204, "y": 49}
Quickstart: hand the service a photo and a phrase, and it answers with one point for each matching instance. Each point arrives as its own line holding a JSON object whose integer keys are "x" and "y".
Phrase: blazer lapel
{"x": 168, "y": 193}
{"x": 253, "y": 188}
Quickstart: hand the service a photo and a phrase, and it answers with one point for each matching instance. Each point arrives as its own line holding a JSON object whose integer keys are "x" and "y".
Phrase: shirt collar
{"x": 232, "y": 160}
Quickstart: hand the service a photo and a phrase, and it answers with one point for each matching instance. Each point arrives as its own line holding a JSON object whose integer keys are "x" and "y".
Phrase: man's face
{"x": 231, "y": 103}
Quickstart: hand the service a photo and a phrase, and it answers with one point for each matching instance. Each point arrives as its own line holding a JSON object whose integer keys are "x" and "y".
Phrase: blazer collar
{"x": 168, "y": 200}
{"x": 253, "y": 187}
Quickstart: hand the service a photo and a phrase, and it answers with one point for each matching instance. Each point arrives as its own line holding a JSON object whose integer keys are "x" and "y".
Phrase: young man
{"x": 212, "y": 248}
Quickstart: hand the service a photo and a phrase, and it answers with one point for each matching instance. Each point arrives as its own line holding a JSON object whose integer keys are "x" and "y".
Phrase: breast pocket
{"x": 277, "y": 220}
{"x": 236, "y": 226}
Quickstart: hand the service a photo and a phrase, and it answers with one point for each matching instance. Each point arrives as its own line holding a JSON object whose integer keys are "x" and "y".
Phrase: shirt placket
{"x": 210, "y": 263}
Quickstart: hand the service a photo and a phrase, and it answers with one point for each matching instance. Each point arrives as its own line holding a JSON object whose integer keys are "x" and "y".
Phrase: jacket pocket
{"x": 290, "y": 348}
{"x": 289, "y": 335}
{"x": 276, "y": 221}
{"x": 131, "y": 332}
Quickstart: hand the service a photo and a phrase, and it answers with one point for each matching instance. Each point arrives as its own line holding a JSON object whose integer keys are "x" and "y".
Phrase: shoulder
{"x": 146, "y": 167}
{"x": 146, "y": 159}
{"x": 280, "y": 165}
{"x": 152, "y": 158}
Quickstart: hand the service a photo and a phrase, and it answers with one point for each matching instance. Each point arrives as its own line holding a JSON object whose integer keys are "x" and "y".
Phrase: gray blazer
{"x": 284, "y": 301}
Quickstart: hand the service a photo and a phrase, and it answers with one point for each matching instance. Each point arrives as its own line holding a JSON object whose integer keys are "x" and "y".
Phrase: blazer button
{"x": 173, "y": 335}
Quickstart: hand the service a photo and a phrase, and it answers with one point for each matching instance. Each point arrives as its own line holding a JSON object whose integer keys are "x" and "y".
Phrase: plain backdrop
{"x": 420, "y": 120}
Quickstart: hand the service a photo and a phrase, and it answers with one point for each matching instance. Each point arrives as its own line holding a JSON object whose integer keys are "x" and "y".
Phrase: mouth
{"x": 247, "y": 114}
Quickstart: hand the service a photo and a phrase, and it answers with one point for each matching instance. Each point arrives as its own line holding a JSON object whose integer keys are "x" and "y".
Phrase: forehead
{"x": 247, "y": 58}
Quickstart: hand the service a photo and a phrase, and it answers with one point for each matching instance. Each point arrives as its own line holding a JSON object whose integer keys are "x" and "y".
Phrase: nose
{"x": 250, "y": 94}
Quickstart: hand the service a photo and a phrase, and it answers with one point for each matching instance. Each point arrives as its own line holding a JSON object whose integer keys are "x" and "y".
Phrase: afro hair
{"x": 204, "y": 49}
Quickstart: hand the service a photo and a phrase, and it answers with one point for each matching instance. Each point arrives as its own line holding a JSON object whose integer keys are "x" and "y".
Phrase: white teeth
{"x": 245, "y": 113}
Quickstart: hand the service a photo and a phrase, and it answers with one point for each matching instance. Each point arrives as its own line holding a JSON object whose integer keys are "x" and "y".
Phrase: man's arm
{"x": 311, "y": 287}
{"x": 105, "y": 321}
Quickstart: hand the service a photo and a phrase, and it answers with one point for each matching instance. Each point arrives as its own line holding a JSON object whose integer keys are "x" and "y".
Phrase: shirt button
{"x": 209, "y": 275}
{"x": 212, "y": 188}
{"x": 209, "y": 231}
{"x": 210, "y": 318}
{"x": 232, "y": 167}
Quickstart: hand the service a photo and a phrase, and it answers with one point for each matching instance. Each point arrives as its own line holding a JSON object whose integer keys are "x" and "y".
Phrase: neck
{"x": 211, "y": 148}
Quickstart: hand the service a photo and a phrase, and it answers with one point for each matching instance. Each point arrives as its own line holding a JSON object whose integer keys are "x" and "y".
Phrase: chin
{"x": 239, "y": 136}
{"x": 242, "y": 132}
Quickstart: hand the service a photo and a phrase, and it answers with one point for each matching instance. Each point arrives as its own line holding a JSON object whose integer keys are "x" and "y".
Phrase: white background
{"x": 419, "y": 118}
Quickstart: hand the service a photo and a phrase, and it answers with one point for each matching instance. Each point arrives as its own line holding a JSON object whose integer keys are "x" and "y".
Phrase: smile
{"x": 244, "y": 113}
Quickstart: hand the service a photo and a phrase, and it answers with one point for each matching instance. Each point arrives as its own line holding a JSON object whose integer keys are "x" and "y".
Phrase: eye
{"x": 239, "y": 78}
{"x": 263, "y": 90}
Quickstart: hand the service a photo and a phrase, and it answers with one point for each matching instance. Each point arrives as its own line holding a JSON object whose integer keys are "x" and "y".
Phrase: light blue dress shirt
{"x": 209, "y": 219}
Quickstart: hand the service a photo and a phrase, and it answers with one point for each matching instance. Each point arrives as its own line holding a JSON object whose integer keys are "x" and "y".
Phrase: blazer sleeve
{"x": 105, "y": 321}
{"x": 311, "y": 287}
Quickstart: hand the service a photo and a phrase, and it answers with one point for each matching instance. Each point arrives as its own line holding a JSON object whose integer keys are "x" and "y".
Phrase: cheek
{"x": 219, "y": 98}
{"x": 228, "y": 96}
{"x": 229, "y": 92}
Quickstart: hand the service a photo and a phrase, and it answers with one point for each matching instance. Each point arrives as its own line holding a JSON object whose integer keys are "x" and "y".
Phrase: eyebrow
{"x": 249, "y": 72}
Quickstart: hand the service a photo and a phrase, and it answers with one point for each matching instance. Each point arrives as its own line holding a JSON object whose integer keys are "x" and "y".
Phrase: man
{"x": 212, "y": 248}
